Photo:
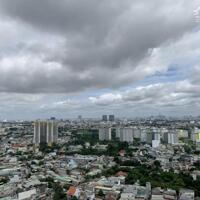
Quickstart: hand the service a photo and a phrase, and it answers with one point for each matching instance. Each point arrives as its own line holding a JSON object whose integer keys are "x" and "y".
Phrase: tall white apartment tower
{"x": 156, "y": 138}
{"x": 104, "y": 134}
{"x": 126, "y": 135}
{"x": 171, "y": 137}
{"x": 117, "y": 135}
{"x": 45, "y": 132}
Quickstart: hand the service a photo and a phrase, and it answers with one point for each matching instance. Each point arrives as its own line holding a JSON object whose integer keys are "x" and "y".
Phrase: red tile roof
{"x": 121, "y": 173}
{"x": 71, "y": 191}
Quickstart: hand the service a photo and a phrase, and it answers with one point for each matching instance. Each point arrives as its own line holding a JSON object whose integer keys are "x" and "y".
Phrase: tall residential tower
{"x": 45, "y": 132}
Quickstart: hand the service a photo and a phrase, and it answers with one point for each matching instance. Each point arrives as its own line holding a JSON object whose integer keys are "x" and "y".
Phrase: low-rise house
{"x": 73, "y": 192}
{"x": 111, "y": 196}
{"x": 27, "y": 194}
{"x": 195, "y": 174}
{"x": 136, "y": 192}
{"x": 186, "y": 194}
{"x": 161, "y": 194}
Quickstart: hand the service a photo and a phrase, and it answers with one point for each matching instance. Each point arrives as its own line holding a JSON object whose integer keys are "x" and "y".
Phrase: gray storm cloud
{"x": 69, "y": 46}
{"x": 71, "y": 57}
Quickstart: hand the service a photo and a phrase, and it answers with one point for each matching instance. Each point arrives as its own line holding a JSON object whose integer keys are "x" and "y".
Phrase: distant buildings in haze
{"x": 106, "y": 118}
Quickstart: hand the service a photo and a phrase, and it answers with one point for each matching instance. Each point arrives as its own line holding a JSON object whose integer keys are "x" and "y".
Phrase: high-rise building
{"x": 171, "y": 137}
{"x": 198, "y": 145}
{"x": 45, "y": 132}
{"x": 195, "y": 134}
{"x": 136, "y": 133}
{"x": 182, "y": 133}
{"x": 143, "y": 135}
{"x": 155, "y": 143}
{"x": 104, "y": 118}
{"x": 80, "y": 118}
{"x": 117, "y": 132}
{"x": 104, "y": 134}
{"x": 111, "y": 118}
{"x": 156, "y": 136}
{"x": 126, "y": 135}
{"x": 149, "y": 137}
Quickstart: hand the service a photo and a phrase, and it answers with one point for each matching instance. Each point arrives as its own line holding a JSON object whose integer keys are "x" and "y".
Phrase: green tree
{"x": 157, "y": 164}
{"x": 74, "y": 198}
{"x": 100, "y": 193}
{"x": 59, "y": 194}
{"x": 187, "y": 149}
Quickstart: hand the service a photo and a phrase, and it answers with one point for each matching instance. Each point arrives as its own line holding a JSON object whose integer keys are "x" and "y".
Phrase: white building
{"x": 182, "y": 133}
{"x": 104, "y": 134}
{"x": 155, "y": 143}
{"x": 195, "y": 135}
{"x": 186, "y": 194}
{"x": 45, "y": 132}
{"x": 126, "y": 135}
{"x": 156, "y": 136}
{"x": 117, "y": 132}
{"x": 136, "y": 133}
{"x": 171, "y": 137}
{"x": 143, "y": 134}
{"x": 27, "y": 194}
{"x": 155, "y": 139}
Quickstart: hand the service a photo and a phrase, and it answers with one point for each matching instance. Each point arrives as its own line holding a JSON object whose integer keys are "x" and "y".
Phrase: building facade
{"x": 111, "y": 118}
{"x": 104, "y": 134}
{"x": 126, "y": 135}
{"x": 45, "y": 132}
{"x": 171, "y": 137}
{"x": 104, "y": 118}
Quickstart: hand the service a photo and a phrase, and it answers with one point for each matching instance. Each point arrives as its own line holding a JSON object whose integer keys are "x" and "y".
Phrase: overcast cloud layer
{"x": 89, "y": 57}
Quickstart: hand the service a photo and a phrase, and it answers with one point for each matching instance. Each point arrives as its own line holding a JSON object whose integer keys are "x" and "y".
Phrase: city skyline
{"x": 127, "y": 58}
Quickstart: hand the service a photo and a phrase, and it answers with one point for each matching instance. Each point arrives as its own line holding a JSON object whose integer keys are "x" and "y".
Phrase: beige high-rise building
{"x": 45, "y": 132}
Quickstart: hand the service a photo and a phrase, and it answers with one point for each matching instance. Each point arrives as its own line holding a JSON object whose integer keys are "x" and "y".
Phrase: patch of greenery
{"x": 158, "y": 178}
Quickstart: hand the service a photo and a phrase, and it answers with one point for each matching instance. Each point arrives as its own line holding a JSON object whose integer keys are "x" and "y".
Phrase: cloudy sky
{"x": 92, "y": 57}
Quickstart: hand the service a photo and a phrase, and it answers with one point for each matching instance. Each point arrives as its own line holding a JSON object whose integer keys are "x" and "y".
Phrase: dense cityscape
{"x": 151, "y": 158}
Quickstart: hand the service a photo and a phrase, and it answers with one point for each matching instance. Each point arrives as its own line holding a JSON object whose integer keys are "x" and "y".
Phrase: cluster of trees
{"x": 3, "y": 180}
{"x": 57, "y": 188}
{"x": 132, "y": 162}
{"x": 190, "y": 147}
{"x": 100, "y": 193}
{"x": 112, "y": 149}
{"x": 91, "y": 136}
{"x": 58, "y": 192}
{"x": 86, "y": 135}
{"x": 158, "y": 178}
{"x": 197, "y": 165}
